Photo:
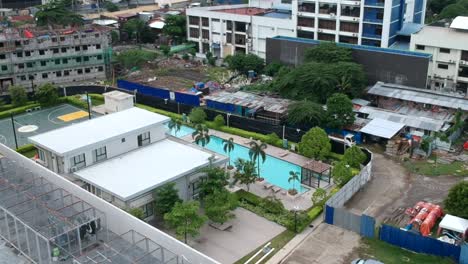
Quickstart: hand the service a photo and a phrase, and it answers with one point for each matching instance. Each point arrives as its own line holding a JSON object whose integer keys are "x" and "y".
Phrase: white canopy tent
{"x": 454, "y": 223}
{"x": 382, "y": 128}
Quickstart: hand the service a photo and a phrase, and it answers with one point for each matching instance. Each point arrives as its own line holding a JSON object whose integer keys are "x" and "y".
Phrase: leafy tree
{"x": 174, "y": 125}
{"x": 165, "y": 197}
{"x": 452, "y": 11}
{"x": 245, "y": 172}
{"x": 318, "y": 196}
{"x": 341, "y": 173}
{"x": 114, "y": 36}
{"x": 166, "y": 50}
{"x": 185, "y": 219}
{"x": 197, "y": 115}
{"x": 55, "y": 12}
{"x": 349, "y": 79}
{"x": 436, "y": 6}
{"x": 219, "y": 206}
{"x": 18, "y": 95}
{"x": 315, "y": 144}
{"x": 47, "y": 94}
{"x": 111, "y": 7}
{"x": 272, "y": 69}
{"x": 257, "y": 151}
{"x": 306, "y": 113}
{"x": 214, "y": 180}
{"x": 293, "y": 177}
{"x": 456, "y": 202}
{"x": 354, "y": 156}
{"x": 228, "y": 146}
{"x": 134, "y": 58}
{"x": 137, "y": 212}
{"x": 244, "y": 63}
{"x": 134, "y": 27}
{"x": 201, "y": 135}
{"x": 328, "y": 52}
{"x": 147, "y": 35}
{"x": 185, "y": 57}
{"x": 219, "y": 121}
{"x": 339, "y": 111}
{"x": 175, "y": 27}
{"x": 211, "y": 60}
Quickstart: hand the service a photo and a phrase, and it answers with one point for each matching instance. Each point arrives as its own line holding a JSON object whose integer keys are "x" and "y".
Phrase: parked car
{"x": 366, "y": 261}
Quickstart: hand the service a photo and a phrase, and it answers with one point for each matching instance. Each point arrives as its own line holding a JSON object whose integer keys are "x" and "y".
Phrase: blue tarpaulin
{"x": 189, "y": 99}
{"x": 143, "y": 89}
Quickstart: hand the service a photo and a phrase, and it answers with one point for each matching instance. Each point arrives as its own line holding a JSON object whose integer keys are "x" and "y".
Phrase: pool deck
{"x": 302, "y": 200}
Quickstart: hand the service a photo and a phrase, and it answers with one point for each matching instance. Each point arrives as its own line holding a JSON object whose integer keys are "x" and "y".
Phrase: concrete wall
{"x": 118, "y": 220}
{"x": 378, "y": 66}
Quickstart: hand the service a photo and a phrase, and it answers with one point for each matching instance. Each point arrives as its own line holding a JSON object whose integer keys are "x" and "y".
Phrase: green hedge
{"x": 17, "y": 110}
{"x": 25, "y": 148}
{"x": 159, "y": 111}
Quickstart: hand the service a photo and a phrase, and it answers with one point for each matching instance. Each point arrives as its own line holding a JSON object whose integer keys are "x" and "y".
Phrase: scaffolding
{"x": 48, "y": 224}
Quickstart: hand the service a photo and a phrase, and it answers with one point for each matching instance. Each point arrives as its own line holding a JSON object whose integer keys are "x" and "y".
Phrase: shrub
{"x": 272, "y": 205}
{"x": 185, "y": 56}
{"x": 315, "y": 212}
{"x": 248, "y": 197}
{"x": 137, "y": 212}
{"x": 272, "y": 139}
{"x": 318, "y": 197}
{"x": 25, "y": 148}
{"x": 47, "y": 94}
{"x": 18, "y": 95}
{"x": 197, "y": 115}
{"x": 354, "y": 156}
{"x": 219, "y": 121}
{"x": 16, "y": 111}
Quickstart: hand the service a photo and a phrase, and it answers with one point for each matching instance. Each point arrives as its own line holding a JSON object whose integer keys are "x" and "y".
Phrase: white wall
{"x": 118, "y": 220}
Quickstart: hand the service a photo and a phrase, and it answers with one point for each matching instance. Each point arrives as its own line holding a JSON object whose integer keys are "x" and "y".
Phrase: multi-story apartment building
{"x": 448, "y": 44}
{"x": 33, "y": 56}
{"x": 19, "y": 3}
{"x": 366, "y": 22}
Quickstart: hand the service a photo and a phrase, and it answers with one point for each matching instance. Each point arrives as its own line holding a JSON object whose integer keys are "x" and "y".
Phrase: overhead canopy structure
{"x": 157, "y": 24}
{"x": 460, "y": 22}
{"x": 454, "y": 223}
{"x": 382, "y": 128}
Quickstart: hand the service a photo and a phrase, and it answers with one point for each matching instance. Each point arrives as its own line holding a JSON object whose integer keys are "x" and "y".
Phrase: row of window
{"x": 57, "y": 61}
{"x": 42, "y": 52}
{"x": 46, "y": 75}
{"x": 19, "y": 43}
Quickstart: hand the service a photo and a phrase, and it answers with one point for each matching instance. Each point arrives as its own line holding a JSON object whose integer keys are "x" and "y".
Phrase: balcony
{"x": 306, "y": 22}
{"x": 350, "y": 11}
{"x": 307, "y": 7}
{"x": 327, "y": 9}
{"x": 371, "y": 35}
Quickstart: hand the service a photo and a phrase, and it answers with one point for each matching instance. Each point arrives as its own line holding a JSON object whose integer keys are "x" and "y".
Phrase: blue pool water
{"x": 274, "y": 170}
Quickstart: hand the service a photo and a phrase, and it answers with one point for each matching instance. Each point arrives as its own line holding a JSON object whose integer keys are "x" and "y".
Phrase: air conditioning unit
{"x": 73, "y": 169}
{"x": 319, "y": 30}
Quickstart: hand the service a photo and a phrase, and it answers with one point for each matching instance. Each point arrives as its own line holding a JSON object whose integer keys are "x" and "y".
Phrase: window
{"x": 21, "y": 66}
{"x": 442, "y": 50}
{"x": 62, "y": 38}
{"x": 57, "y": 61}
{"x": 442, "y": 66}
{"x": 66, "y": 73}
{"x": 63, "y": 50}
{"x": 54, "y": 39}
{"x": 64, "y": 61}
{"x": 98, "y": 46}
{"x": 58, "y": 74}
{"x": 17, "y": 43}
{"x": 29, "y": 65}
{"x": 205, "y": 22}
{"x": 41, "y": 52}
{"x": 144, "y": 139}
{"x": 43, "y": 63}
{"x": 23, "y": 78}
{"x": 100, "y": 154}
{"x": 27, "y": 53}
{"x": 79, "y": 71}
{"x": 2, "y": 56}
{"x": 76, "y": 36}
{"x": 19, "y": 54}
{"x": 41, "y": 154}
{"x": 99, "y": 57}
{"x": 77, "y": 162}
{"x": 100, "y": 69}
{"x": 122, "y": 140}
{"x": 86, "y": 58}
{"x": 77, "y": 48}
{"x": 45, "y": 76}
{"x": 194, "y": 32}
{"x": 420, "y": 47}
{"x": 147, "y": 210}
{"x": 96, "y": 35}
{"x": 4, "y": 68}
{"x": 2, "y": 44}
{"x": 78, "y": 59}
{"x": 55, "y": 51}
{"x": 87, "y": 70}
{"x": 85, "y": 47}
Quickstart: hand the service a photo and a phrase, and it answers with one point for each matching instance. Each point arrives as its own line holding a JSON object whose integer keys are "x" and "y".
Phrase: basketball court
{"x": 39, "y": 121}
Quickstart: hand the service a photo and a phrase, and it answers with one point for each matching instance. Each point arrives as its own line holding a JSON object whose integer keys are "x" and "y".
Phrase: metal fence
{"x": 361, "y": 224}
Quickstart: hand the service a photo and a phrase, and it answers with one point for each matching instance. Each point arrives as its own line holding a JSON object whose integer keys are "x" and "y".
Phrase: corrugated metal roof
{"x": 252, "y": 101}
{"x": 406, "y": 93}
{"x": 410, "y": 121}
{"x": 382, "y": 128}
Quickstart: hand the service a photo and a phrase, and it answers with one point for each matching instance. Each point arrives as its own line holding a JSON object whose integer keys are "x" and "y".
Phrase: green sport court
{"x": 39, "y": 121}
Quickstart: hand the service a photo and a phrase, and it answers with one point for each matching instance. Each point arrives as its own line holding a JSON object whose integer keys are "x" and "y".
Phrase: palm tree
{"x": 293, "y": 176}
{"x": 228, "y": 146}
{"x": 257, "y": 151}
{"x": 175, "y": 125}
{"x": 245, "y": 172}
{"x": 200, "y": 135}
{"x": 344, "y": 84}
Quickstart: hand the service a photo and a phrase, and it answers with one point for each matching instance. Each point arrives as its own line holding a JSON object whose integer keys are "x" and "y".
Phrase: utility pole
{"x": 14, "y": 130}
{"x": 89, "y": 105}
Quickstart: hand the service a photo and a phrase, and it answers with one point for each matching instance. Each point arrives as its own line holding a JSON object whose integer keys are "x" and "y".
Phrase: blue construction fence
{"x": 361, "y": 224}
{"x": 183, "y": 98}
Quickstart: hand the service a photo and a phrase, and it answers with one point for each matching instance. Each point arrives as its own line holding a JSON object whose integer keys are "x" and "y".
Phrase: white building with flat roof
{"x": 448, "y": 43}
{"x": 122, "y": 157}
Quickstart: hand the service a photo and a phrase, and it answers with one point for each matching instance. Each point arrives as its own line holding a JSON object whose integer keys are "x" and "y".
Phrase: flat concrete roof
{"x": 101, "y": 129}
{"x": 142, "y": 170}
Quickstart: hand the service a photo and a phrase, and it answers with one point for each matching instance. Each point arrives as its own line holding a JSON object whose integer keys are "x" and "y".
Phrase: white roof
{"x": 157, "y": 24}
{"x": 105, "y": 22}
{"x": 382, "y": 128}
{"x": 460, "y": 22}
{"x": 137, "y": 172}
{"x": 100, "y": 129}
{"x": 454, "y": 223}
{"x": 117, "y": 95}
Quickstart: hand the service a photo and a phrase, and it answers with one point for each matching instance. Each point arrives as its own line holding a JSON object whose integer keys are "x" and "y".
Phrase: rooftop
{"x": 256, "y": 11}
{"x": 137, "y": 172}
{"x": 100, "y": 129}
{"x": 441, "y": 34}
{"x": 453, "y": 101}
{"x": 316, "y": 166}
{"x": 382, "y": 128}
{"x": 252, "y": 101}
{"x": 117, "y": 95}
{"x": 32, "y": 31}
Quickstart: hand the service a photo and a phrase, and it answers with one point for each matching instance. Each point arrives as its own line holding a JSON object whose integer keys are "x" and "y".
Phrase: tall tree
{"x": 257, "y": 152}
{"x": 456, "y": 202}
{"x": 197, "y": 115}
{"x": 219, "y": 206}
{"x": 47, "y": 94}
{"x": 185, "y": 219}
{"x": 214, "y": 180}
{"x": 201, "y": 135}
{"x": 134, "y": 27}
{"x": 354, "y": 156}
{"x": 315, "y": 144}
{"x": 228, "y": 146}
{"x": 245, "y": 172}
{"x": 165, "y": 197}
{"x": 56, "y": 12}
{"x": 328, "y": 52}
{"x": 243, "y": 63}
{"x": 306, "y": 113}
{"x": 341, "y": 173}
{"x": 175, "y": 27}
{"x": 18, "y": 95}
{"x": 293, "y": 177}
{"x": 174, "y": 125}
{"x": 340, "y": 111}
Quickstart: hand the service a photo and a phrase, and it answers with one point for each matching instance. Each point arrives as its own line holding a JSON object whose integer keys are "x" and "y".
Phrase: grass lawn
{"x": 431, "y": 169}
{"x": 389, "y": 254}
{"x": 277, "y": 243}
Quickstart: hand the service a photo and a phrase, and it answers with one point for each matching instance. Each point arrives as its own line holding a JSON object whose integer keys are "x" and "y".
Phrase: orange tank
{"x": 430, "y": 220}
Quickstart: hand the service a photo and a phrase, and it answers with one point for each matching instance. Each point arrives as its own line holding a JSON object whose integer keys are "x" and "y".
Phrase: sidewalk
{"x": 295, "y": 242}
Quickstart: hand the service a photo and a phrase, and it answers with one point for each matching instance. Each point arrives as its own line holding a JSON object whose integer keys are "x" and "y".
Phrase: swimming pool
{"x": 274, "y": 170}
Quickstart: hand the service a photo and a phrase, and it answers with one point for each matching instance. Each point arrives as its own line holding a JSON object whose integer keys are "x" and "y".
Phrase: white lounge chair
{"x": 267, "y": 185}
{"x": 276, "y": 189}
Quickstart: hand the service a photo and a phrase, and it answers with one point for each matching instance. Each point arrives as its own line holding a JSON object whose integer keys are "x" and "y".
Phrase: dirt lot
{"x": 327, "y": 244}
